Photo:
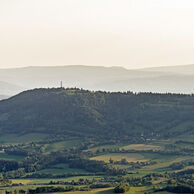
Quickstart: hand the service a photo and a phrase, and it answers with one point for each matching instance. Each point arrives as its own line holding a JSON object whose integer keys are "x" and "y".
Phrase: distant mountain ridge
{"x": 181, "y": 69}
{"x": 176, "y": 79}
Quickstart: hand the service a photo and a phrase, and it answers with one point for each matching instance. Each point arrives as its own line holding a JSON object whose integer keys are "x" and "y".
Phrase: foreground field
{"x": 96, "y": 191}
{"x": 145, "y": 166}
{"x": 32, "y": 184}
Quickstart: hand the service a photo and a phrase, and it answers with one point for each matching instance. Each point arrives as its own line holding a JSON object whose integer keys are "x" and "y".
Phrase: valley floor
{"x": 147, "y": 166}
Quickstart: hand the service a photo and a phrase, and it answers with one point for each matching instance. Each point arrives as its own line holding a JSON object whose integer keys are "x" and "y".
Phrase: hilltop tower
{"x": 61, "y": 84}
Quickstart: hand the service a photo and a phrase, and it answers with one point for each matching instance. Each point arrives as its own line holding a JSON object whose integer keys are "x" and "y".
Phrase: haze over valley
{"x": 175, "y": 79}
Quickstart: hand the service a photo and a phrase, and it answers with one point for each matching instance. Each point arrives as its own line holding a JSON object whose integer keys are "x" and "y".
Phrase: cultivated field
{"x": 130, "y": 157}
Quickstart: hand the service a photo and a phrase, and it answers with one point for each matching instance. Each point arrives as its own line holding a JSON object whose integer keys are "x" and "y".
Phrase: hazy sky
{"x": 129, "y": 33}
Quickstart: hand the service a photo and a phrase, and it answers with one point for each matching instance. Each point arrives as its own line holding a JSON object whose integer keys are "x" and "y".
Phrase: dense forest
{"x": 77, "y": 112}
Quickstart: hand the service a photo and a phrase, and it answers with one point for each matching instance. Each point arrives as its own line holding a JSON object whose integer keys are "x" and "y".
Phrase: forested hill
{"x": 99, "y": 114}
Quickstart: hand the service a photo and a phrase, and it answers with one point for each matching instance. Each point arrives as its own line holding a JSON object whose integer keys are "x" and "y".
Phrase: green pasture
{"x": 22, "y": 138}
{"x": 5, "y": 156}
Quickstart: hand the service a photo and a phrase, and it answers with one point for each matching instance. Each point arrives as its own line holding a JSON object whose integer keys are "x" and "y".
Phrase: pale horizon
{"x": 133, "y": 34}
{"x": 125, "y": 67}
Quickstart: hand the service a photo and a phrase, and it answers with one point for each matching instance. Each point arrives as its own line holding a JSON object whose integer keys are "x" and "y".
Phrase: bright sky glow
{"x": 129, "y": 33}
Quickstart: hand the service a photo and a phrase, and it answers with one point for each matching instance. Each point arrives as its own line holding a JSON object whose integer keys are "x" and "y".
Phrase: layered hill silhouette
{"x": 8, "y": 89}
{"x": 181, "y": 69}
{"x": 82, "y": 113}
{"x": 177, "y": 79}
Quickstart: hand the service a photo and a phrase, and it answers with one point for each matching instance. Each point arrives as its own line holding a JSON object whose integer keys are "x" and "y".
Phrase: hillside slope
{"x": 77, "y": 112}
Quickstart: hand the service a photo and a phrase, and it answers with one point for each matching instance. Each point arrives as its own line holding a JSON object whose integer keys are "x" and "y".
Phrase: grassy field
{"x": 22, "y": 181}
{"x": 4, "y": 156}
{"x": 53, "y": 147}
{"x": 130, "y": 157}
{"x": 94, "y": 149}
{"x": 141, "y": 147}
{"x": 185, "y": 137}
{"x": 162, "y": 161}
{"x": 32, "y": 184}
{"x": 96, "y": 191}
{"x": 133, "y": 190}
{"x": 43, "y": 181}
{"x": 61, "y": 169}
{"x": 164, "y": 192}
{"x": 106, "y": 191}
{"x": 22, "y": 138}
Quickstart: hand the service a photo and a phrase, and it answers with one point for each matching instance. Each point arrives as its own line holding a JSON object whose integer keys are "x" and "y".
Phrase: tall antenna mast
{"x": 61, "y": 84}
